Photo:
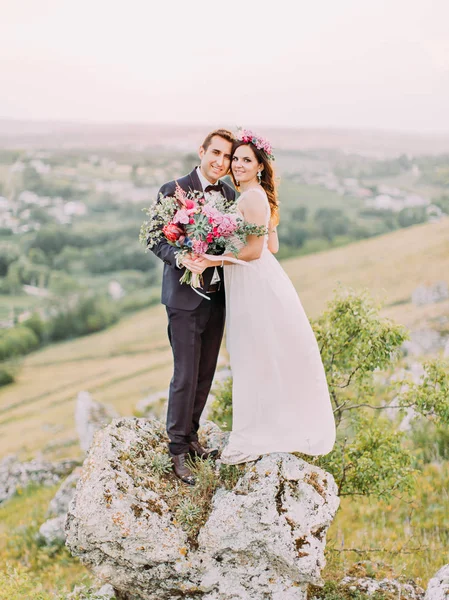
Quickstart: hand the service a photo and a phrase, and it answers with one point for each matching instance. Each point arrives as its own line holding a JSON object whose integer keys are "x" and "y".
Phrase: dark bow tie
{"x": 214, "y": 188}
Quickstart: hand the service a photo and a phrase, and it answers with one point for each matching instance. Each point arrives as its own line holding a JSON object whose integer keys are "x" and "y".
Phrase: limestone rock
{"x": 370, "y": 586}
{"x": 15, "y": 474}
{"x": 424, "y": 342}
{"x": 154, "y": 404}
{"x": 430, "y": 294}
{"x": 211, "y": 436}
{"x": 52, "y": 531}
{"x": 59, "y": 505}
{"x": 117, "y": 524}
{"x": 271, "y": 528}
{"x": 438, "y": 588}
{"x": 81, "y": 592}
{"x": 90, "y": 416}
{"x": 264, "y": 538}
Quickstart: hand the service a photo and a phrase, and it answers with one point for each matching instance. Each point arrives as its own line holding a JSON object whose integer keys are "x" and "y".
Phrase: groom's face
{"x": 216, "y": 158}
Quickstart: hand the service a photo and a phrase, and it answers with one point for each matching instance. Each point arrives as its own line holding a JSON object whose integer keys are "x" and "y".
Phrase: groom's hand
{"x": 193, "y": 265}
{"x": 204, "y": 262}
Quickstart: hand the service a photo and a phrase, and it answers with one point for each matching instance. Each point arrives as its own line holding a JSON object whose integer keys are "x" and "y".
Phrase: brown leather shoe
{"x": 180, "y": 468}
{"x": 197, "y": 450}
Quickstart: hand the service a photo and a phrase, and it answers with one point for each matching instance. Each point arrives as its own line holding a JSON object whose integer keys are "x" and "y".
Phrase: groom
{"x": 195, "y": 324}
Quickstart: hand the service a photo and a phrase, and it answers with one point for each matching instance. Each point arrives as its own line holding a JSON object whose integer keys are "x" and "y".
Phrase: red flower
{"x": 172, "y": 232}
{"x": 209, "y": 238}
{"x": 191, "y": 221}
{"x": 189, "y": 204}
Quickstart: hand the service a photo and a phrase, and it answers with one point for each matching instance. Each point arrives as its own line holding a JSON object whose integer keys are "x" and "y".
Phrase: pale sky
{"x": 372, "y": 64}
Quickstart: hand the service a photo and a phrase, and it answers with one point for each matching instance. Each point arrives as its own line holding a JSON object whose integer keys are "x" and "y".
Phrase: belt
{"x": 213, "y": 288}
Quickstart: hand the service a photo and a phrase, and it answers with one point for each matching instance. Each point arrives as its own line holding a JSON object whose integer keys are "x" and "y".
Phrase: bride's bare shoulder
{"x": 251, "y": 197}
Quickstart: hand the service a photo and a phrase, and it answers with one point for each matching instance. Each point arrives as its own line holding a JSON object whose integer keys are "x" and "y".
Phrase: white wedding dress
{"x": 280, "y": 397}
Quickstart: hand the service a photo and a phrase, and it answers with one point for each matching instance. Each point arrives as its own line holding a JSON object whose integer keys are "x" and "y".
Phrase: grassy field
{"x": 410, "y": 534}
{"x": 41, "y": 572}
{"x": 133, "y": 359}
{"x": 118, "y": 366}
{"x": 391, "y": 266}
{"x": 409, "y": 537}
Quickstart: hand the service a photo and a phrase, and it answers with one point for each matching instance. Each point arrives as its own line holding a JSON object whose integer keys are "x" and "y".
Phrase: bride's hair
{"x": 268, "y": 181}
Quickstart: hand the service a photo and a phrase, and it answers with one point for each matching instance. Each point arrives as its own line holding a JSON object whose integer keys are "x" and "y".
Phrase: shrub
{"x": 221, "y": 407}
{"x": 87, "y": 315}
{"x": 370, "y": 457}
{"x": 37, "y": 325}
{"x": 6, "y": 375}
{"x": 17, "y": 341}
{"x": 373, "y": 461}
{"x": 430, "y": 441}
{"x": 8, "y": 254}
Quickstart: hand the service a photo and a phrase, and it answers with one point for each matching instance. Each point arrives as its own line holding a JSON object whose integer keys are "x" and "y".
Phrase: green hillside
{"x": 391, "y": 266}
{"x": 132, "y": 359}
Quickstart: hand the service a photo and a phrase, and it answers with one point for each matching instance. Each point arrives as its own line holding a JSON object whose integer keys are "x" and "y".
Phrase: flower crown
{"x": 248, "y": 137}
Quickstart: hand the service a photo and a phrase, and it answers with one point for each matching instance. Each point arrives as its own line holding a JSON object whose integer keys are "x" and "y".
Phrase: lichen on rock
{"x": 249, "y": 532}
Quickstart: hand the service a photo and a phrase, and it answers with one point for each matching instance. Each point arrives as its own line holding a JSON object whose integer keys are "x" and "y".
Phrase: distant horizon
{"x": 207, "y": 125}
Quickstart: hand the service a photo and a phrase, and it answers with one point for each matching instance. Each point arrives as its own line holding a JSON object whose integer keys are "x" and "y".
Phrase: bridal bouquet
{"x": 196, "y": 225}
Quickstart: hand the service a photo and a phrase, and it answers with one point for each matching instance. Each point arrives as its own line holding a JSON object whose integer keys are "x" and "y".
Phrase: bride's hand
{"x": 204, "y": 262}
{"x": 193, "y": 264}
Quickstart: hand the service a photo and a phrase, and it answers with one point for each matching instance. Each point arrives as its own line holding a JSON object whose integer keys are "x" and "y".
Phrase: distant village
{"x": 16, "y": 212}
{"x": 386, "y": 198}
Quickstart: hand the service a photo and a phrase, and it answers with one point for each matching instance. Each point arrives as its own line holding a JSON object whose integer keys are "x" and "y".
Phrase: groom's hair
{"x": 223, "y": 133}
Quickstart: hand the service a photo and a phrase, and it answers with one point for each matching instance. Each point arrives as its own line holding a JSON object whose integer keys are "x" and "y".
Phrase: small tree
{"x": 371, "y": 457}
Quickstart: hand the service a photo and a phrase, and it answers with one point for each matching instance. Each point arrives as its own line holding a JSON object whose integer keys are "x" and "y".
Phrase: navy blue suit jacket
{"x": 175, "y": 294}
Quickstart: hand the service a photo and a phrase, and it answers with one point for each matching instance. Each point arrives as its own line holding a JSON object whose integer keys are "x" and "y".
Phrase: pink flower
{"x": 181, "y": 216}
{"x": 199, "y": 247}
{"x": 212, "y": 213}
{"x": 227, "y": 226}
{"x": 180, "y": 195}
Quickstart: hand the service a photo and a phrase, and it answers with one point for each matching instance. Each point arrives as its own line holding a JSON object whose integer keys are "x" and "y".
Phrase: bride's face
{"x": 244, "y": 164}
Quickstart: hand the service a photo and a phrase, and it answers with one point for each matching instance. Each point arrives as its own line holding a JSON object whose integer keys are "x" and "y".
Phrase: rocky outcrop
{"x": 90, "y": 416}
{"x": 438, "y": 588}
{"x": 16, "y": 475}
{"x": 52, "y": 531}
{"x": 424, "y": 342}
{"x": 82, "y": 592}
{"x": 154, "y": 405}
{"x": 263, "y": 535}
{"x": 384, "y": 587}
{"x": 369, "y": 578}
{"x": 430, "y": 294}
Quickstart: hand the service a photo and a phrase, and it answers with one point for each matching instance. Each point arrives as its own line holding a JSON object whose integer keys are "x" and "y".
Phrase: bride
{"x": 280, "y": 396}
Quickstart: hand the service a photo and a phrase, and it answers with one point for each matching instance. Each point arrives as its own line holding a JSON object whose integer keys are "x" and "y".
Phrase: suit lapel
{"x": 227, "y": 192}
{"x": 195, "y": 183}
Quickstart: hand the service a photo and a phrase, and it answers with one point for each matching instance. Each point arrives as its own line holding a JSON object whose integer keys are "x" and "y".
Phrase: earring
{"x": 259, "y": 176}
{"x": 237, "y": 183}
